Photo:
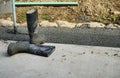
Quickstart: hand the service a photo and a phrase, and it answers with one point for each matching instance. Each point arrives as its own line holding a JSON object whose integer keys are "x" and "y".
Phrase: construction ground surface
{"x": 67, "y": 61}
{"x": 72, "y": 60}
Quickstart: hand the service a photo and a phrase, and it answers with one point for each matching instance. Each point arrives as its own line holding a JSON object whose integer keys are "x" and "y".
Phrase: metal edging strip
{"x": 46, "y": 3}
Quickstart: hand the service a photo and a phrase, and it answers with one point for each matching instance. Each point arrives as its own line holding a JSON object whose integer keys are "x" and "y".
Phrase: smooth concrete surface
{"x": 68, "y": 61}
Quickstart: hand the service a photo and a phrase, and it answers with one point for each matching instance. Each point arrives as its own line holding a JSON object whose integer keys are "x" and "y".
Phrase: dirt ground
{"x": 105, "y": 11}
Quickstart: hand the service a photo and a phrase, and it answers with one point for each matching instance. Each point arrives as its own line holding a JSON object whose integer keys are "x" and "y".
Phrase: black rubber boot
{"x": 33, "y": 46}
{"x": 18, "y": 47}
{"x": 32, "y": 24}
{"x": 25, "y": 47}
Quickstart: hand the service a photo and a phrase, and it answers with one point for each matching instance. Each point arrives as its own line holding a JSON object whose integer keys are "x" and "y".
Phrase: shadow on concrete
{"x": 80, "y": 36}
{"x": 5, "y": 54}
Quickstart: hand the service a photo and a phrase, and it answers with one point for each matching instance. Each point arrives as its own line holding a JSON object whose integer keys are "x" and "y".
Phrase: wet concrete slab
{"x": 80, "y": 36}
{"x": 68, "y": 61}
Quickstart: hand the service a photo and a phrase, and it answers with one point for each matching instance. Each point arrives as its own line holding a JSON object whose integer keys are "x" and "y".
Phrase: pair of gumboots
{"x": 34, "y": 46}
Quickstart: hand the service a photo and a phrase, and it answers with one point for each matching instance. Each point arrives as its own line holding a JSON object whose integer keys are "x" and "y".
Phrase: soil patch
{"x": 87, "y": 10}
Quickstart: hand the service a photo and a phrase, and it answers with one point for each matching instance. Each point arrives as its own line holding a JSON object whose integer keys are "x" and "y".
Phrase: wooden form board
{"x": 5, "y": 6}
